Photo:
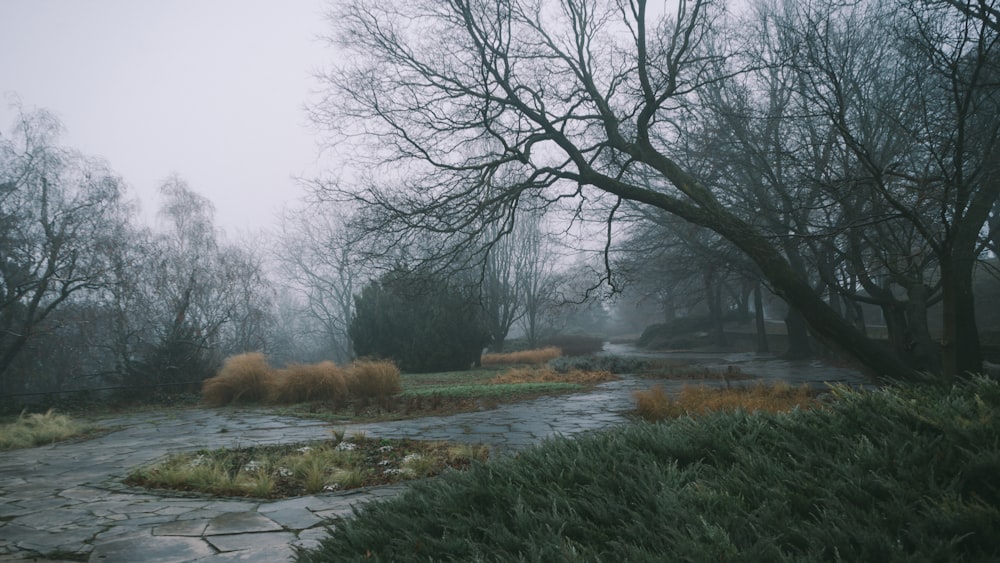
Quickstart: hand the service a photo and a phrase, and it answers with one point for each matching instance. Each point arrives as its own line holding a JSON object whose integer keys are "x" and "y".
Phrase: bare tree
{"x": 517, "y": 281}
{"x": 574, "y": 99}
{"x": 319, "y": 260}
{"x": 58, "y": 211}
{"x": 538, "y": 281}
{"x": 911, "y": 91}
{"x": 192, "y": 297}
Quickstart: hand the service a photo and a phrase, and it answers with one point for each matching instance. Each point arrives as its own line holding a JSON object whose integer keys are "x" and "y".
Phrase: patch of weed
{"x": 36, "y": 429}
{"x": 302, "y": 469}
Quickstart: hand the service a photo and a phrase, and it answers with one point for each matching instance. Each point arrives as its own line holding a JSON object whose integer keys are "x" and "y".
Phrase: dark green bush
{"x": 420, "y": 321}
{"x": 893, "y": 475}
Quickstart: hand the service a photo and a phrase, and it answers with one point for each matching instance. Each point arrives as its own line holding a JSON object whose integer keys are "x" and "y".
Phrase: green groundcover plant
{"x": 900, "y": 474}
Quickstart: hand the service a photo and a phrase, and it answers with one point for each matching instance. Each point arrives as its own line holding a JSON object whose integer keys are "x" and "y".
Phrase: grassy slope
{"x": 900, "y": 475}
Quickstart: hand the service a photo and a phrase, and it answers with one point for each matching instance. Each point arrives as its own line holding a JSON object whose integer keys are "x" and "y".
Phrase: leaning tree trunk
{"x": 829, "y": 327}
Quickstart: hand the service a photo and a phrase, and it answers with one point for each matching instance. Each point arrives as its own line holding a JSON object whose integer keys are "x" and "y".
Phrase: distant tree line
{"x": 89, "y": 298}
{"x": 92, "y": 298}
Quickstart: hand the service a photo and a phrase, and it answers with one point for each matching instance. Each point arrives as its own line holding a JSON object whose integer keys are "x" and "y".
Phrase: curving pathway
{"x": 65, "y": 501}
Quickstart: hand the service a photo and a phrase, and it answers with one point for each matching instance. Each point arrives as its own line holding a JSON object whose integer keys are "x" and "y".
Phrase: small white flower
{"x": 304, "y": 450}
{"x": 252, "y": 467}
{"x": 331, "y": 488}
{"x": 346, "y": 446}
{"x": 411, "y": 458}
{"x": 384, "y": 463}
{"x": 385, "y": 449}
{"x": 284, "y": 472}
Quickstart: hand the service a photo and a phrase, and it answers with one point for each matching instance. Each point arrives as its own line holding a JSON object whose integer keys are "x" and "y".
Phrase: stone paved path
{"x": 66, "y": 501}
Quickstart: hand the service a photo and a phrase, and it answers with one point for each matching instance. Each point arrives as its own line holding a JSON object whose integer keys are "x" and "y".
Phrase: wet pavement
{"x": 66, "y": 501}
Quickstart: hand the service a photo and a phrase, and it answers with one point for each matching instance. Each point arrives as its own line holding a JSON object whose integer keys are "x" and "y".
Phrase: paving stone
{"x": 40, "y": 541}
{"x": 84, "y": 493}
{"x": 294, "y": 518}
{"x": 240, "y": 522}
{"x": 230, "y": 506}
{"x": 298, "y": 502}
{"x": 151, "y": 549}
{"x": 193, "y": 528}
{"x": 271, "y": 554}
{"x": 238, "y": 542}
{"x": 335, "y": 513}
{"x": 175, "y": 510}
{"x": 54, "y": 520}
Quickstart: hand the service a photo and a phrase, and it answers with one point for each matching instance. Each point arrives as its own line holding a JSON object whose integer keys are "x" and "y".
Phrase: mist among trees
{"x": 517, "y": 170}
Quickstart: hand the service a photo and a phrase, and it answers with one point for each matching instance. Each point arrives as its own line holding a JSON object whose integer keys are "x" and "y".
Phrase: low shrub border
{"x": 901, "y": 474}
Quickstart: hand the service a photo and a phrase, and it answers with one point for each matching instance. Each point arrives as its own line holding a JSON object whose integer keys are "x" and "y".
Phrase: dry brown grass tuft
{"x": 246, "y": 378}
{"x": 300, "y": 383}
{"x": 656, "y": 404}
{"x": 534, "y": 357}
{"x": 373, "y": 379}
{"x": 546, "y": 375}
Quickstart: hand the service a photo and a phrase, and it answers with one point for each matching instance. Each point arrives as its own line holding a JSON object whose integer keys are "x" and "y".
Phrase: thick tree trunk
{"x": 797, "y": 328}
{"x": 960, "y": 336}
{"x": 826, "y": 325}
{"x": 713, "y": 294}
{"x": 896, "y": 326}
{"x": 829, "y": 327}
{"x": 924, "y": 353}
{"x": 743, "y": 305}
{"x": 857, "y": 313}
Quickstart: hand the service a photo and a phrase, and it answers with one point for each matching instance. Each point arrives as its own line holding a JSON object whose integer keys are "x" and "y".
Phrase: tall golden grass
{"x": 300, "y": 383}
{"x": 656, "y": 404}
{"x": 373, "y": 379}
{"x": 546, "y": 375}
{"x": 533, "y": 357}
{"x": 245, "y": 378}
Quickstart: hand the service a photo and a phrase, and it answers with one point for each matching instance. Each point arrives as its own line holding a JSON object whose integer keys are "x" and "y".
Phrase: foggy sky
{"x": 212, "y": 90}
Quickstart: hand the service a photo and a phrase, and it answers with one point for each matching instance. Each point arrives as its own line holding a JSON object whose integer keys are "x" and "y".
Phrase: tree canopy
{"x": 468, "y": 110}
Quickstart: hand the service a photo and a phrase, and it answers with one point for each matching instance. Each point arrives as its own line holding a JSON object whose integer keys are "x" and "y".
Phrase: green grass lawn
{"x": 437, "y": 394}
{"x": 903, "y": 474}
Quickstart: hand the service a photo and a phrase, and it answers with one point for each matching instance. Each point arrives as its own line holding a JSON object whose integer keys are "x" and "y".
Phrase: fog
{"x": 212, "y": 91}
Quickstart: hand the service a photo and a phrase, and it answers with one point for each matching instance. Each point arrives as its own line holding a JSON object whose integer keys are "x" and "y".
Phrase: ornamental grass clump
{"x": 656, "y": 404}
{"x": 373, "y": 379}
{"x": 36, "y": 429}
{"x": 300, "y": 383}
{"x": 546, "y": 375}
{"x": 245, "y": 378}
{"x": 897, "y": 474}
{"x": 531, "y": 357}
{"x": 287, "y": 470}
